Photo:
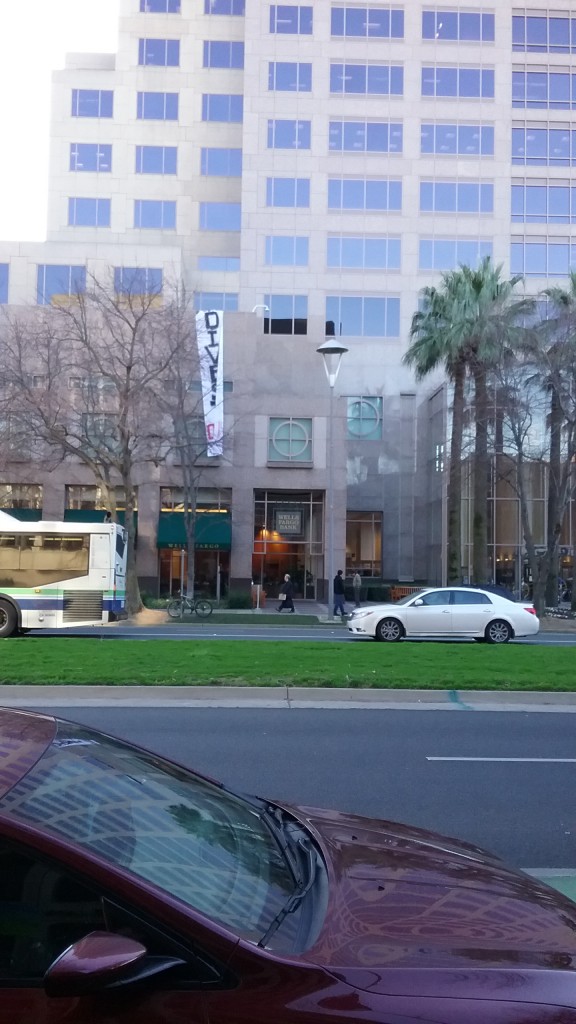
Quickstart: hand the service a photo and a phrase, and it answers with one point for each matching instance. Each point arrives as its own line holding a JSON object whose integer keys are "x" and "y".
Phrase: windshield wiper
{"x": 302, "y": 889}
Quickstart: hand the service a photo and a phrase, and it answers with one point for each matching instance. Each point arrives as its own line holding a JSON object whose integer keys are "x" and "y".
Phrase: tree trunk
{"x": 190, "y": 525}
{"x": 553, "y": 525}
{"x": 481, "y": 479}
{"x": 455, "y": 478}
{"x": 133, "y": 598}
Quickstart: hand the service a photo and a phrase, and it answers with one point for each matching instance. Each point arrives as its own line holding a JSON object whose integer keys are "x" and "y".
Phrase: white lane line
{"x": 516, "y": 760}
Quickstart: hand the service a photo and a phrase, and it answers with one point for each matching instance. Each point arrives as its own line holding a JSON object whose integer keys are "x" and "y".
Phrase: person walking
{"x": 286, "y": 594}
{"x": 357, "y": 585}
{"x": 339, "y": 594}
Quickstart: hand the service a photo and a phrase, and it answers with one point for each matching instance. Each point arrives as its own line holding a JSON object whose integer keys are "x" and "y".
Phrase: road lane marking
{"x": 515, "y": 760}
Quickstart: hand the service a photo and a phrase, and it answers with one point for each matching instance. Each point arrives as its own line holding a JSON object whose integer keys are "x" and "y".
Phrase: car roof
{"x": 24, "y": 737}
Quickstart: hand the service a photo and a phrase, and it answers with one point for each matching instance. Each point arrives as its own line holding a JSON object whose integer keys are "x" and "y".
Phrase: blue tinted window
{"x": 289, "y": 18}
{"x": 228, "y": 301}
{"x": 367, "y": 79}
{"x": 289, "y": 134}
{"x": 217, "y": 162}
{"x": 364, "y": 316}
{"x": 364, "y": 194}
{"x": 367, "y": 22}
{"x": 468, "y": 83}
{"x": 541, "y": 204}
{"x": 542, "y": 89}
{"x": 223, "y": 264}
{"x": 449, "y": 253}
{"x": 540, "y": 146}
{"x": 220, "y": 216}
{"x": 465, "y": 26}
{"x": 55, "y": 281}
{"x": 287, "y": 76}
{"x": 218, "y": 54}
{"x": 224, "y": 6}
{"x": 163, "y": 53}
{"x": 363, "y": 253}
{"x": 365, "y": 136}
{"x": 92, "y": 102}
{"x": 155, "y": 213}
{"x": 4, "y": 276}
{"x": 456, "y": 197}
{"x": 157, "y": 106}
{"x": 538, "y": 34}
{"x": 94, "y": 213}
{"x": 291, "y": 192}
{"x": 541, "y": 259}
{"x": 457, "y": 139}
{"x": 138, "y": 280}
{"x": 160, "y": 6}
{"x": 286, "y": 314}
{"x": 156, "y": 159}
{"x": 222, "y": 107}
{"x": 286, "y": 251}
{"x": 90, "y": 156}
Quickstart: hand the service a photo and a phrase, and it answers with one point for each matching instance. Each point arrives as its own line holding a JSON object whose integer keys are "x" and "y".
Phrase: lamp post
{"x": 331, "y": 351}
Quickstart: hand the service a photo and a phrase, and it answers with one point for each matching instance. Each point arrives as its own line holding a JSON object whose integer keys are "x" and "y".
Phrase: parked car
{"x": 137, "y": 892}
{"x": 474, "y": 612}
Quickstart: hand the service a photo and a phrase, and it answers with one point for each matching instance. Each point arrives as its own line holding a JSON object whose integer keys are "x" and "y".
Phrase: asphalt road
{"x": 518, "y": 798}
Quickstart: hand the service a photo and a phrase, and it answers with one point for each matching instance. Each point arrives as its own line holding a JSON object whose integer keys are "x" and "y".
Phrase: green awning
{"x": 25, "y": 515}
{"x": 213, "y": 531}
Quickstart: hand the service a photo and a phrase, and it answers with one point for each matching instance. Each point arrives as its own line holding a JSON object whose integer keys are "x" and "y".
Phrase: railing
{"x": 397, "y": 592}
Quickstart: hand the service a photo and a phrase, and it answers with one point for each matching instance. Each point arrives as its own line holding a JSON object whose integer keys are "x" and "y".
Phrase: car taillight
{"x": 530, "y": 608}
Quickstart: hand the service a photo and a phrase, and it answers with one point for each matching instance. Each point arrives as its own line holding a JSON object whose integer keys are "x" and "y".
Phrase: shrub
{"x": 149, "y": 601}
{"x": 239, "y": 599}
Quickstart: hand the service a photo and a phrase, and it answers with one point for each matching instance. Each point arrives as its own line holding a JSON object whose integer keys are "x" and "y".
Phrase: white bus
{"x": 60, "y": 574}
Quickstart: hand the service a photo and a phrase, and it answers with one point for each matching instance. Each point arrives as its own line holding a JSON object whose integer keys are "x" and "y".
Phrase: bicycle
{"x": 199, "y": 606}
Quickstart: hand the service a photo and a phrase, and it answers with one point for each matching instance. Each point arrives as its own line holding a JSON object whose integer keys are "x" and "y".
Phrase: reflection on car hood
{"x": 404, "y": 897}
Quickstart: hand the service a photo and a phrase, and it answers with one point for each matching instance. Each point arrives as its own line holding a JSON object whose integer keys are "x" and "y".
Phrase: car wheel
{"x": 389, "y": 630}
{"x": 498, "y": 632}
{"x": 8, "y": 619}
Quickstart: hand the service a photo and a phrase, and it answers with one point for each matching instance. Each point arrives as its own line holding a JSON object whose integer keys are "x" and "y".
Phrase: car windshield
{"x": 410, "y": 597}
{"x": 196, "y": 841}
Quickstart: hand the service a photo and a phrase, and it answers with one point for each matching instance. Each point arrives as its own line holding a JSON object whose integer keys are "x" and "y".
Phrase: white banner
{"x": 210, "y": 351}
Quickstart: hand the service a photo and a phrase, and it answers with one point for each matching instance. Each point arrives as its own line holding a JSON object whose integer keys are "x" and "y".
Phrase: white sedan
{"x": 446, "y": 612}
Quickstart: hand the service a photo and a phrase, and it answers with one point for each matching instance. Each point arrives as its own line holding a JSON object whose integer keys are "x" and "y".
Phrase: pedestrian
{"x": 357, "y": 585}
{"x": 339, "y": 594}
{"x": 286, "y": 594}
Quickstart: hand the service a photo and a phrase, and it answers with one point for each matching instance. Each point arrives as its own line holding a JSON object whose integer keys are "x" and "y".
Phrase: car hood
{"x": 403, "y": 897}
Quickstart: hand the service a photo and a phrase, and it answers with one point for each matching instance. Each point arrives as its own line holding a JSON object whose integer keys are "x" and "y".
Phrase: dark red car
{"x": 136, "y": 891}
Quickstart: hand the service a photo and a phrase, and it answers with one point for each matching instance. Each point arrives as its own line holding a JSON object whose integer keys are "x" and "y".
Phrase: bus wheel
{"x": 8, "y": 619}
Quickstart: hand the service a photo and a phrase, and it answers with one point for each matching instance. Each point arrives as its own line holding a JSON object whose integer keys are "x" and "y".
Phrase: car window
{"x": 436, "y": 597}
{"x": 469, "y": 597}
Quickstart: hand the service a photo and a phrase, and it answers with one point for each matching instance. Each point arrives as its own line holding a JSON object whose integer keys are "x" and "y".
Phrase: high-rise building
{"x": 308, "y": 168}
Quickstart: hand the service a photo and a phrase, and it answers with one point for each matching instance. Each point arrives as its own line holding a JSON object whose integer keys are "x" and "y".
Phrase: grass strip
{"x": 54, "y": 660}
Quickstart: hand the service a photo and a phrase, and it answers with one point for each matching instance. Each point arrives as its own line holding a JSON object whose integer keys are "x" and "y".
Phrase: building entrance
{"x": 288, "y": 539}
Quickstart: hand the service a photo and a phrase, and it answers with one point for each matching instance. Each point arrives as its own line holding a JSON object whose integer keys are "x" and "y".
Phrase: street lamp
{"x": 331, "y": 351}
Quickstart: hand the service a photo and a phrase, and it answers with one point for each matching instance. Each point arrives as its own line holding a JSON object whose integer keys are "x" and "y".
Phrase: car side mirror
{"x": 417, "y": 602}
{"x": 99, "y": 961}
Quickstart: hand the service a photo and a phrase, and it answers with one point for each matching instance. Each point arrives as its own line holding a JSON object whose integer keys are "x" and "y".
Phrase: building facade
{"x": 308, "y": 169}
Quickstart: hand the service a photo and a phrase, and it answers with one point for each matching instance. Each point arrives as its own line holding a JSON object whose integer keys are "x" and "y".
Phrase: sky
{"x": 34, "y": 37}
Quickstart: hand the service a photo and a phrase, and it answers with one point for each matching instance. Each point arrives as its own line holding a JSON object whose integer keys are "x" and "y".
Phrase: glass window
{"x": 465, "y": 26}
{"x": 536, "y": 147}
{"x": 456, "y": 197}
{"x": 224, "y": 7}
{"x": 364, "y": 194}
{"x": 160, "y": 6}
{"x": 284, "y": 134}
{"x": 220, "y": 216}
{"x": 467, "y": 83}
{"x": 223, "y": 264}
{"x": 222, "y": 107}
{"x": 156, "y": 159}
{"x": 289, "y": 440}
{"x": 539, "y": 204}
{"x": 286, "y": 314}
{"x": 290, "y": 18}
{"x": 469, "y": 597}
{"x": 457, "y": 139}
{"x": 221, "y": 162}
{"x": 4, "y": 279}
{"x": 92, "y": 102}
{"x": 449, "y": 253}
{"x": 157, "y": 106}
{"x": 220, "y": 54}
{"x": 286, "y": 251}
{"x": 94, "y": 213}
{"x": 155, "y": 213}
{"x": 57, "y": 282}
{"x": 544, "y": 90}
{"x": 289, "y": 76}
{"x": 138, "y": 280}
{"x": 363, "y": 316}
{"x": 291, "y": 192}
{"x": 364, "y": 419}
{"x": 367, "y": 79}
{"x": 364, "y": 547}
{"x": 377, "y": 22}
{"x": 20, "y": 496}
{"x": 539, "y": 34}
{"x": 365, "y": 136}
{"x": 542, "y": 259}
{"x": 90, "y": 156}
{"x": 162, "y": 53}
{"x": 227, "y": 301}
{"x": 363, "y": 252}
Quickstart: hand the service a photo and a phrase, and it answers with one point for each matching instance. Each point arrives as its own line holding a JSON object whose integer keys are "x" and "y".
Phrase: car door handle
{"x": 446, "y": 611}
